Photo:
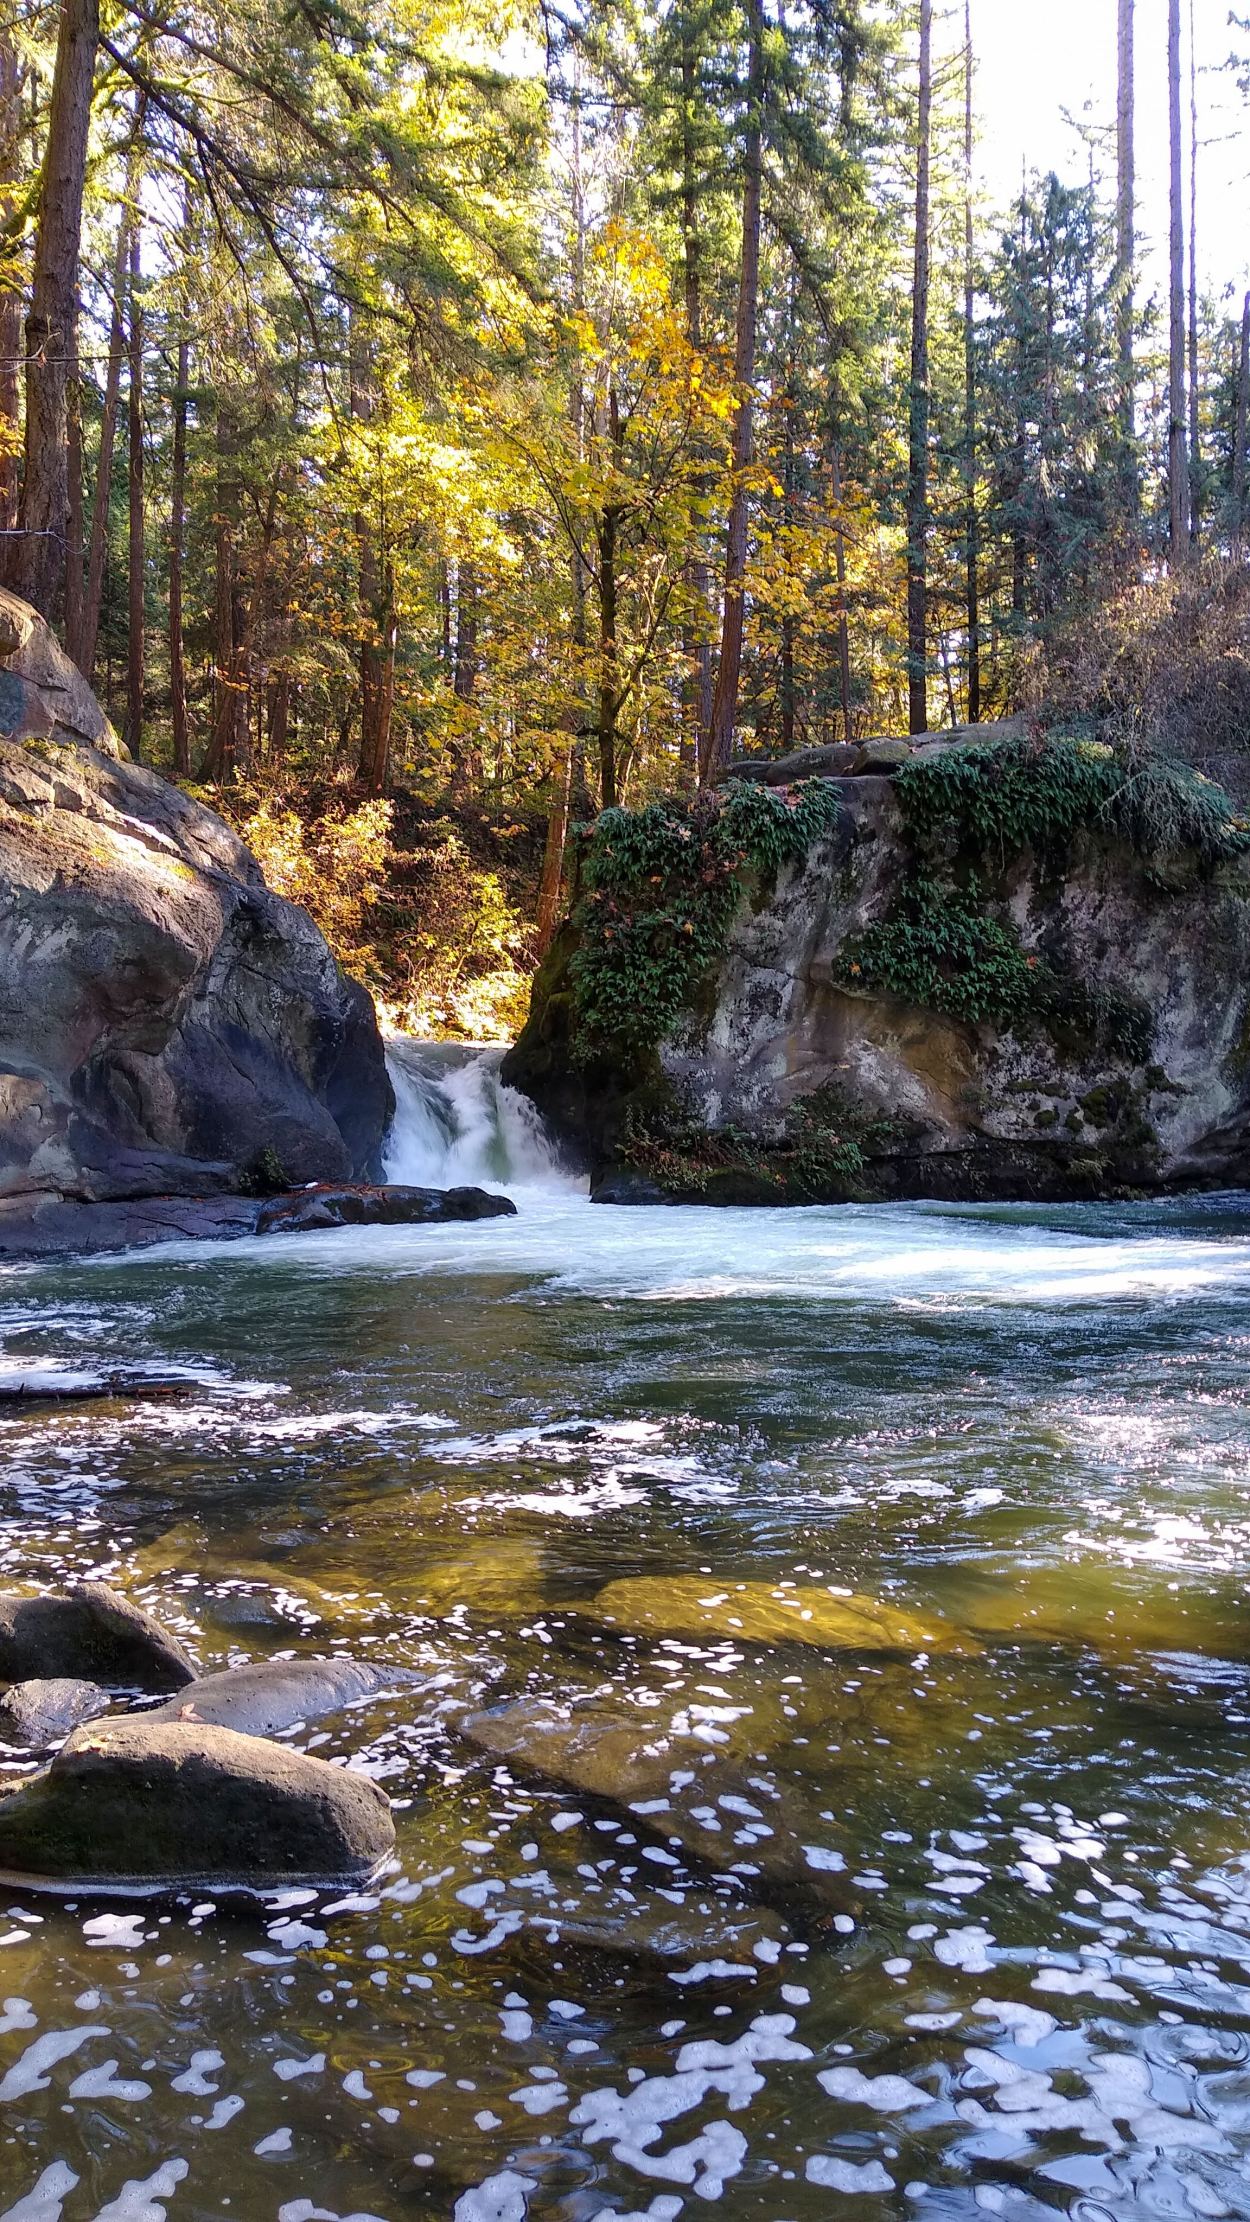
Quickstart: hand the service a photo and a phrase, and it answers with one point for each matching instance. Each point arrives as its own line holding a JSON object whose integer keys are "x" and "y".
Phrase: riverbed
{"x": 1025, "y": 1990}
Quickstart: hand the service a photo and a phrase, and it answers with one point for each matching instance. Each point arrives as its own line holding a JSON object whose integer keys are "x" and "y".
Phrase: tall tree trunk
{"x": 697, "y": 683}
{"x": 377, "y": 645}
{"x": 12, "y": 79}
{"x": 971, "y": 520}
{"x": 553, "y": 850}
{"x": 609, "y": 688}
{"x": 718, "y": 741}
{"x": 37, "y": 566}
{"x": 136, "y": 550}
{"x": 1241, "y": 426}
{"x": 1178, "y": 487}
{"x": 228, "y": 741}
{"x": 844, "y": 630}
{"x": 177, "y": 536}
{"x": 465, "y": 677}
{"x": 1195, "y": 396}
{"x": 918, "y": 412}
{"x": 1125, "y": 260}
{"x": 83, "y": 650}
{"x": 73, "y": 475}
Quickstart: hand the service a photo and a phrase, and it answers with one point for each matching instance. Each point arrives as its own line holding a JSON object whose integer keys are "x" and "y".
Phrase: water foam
{"x": 456, "y": 1124}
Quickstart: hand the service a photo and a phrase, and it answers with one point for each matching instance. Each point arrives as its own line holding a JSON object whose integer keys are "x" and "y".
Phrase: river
{"x": 436, "y": 1446}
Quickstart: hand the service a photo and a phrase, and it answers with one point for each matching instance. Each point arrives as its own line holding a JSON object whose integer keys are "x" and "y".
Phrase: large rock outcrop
{"x": 168, "y": 1027}
{"x": 1012, "y": 966}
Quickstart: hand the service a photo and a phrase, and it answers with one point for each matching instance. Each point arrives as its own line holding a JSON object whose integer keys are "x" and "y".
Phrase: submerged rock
{"x": 90, "y": 1632}
{"x": 38, "y": 1713}
{"x": 305, "y": 1210}
{"x": 147, "y": 1803}
{"x": 671, "y": 1939}
{"x": 673, "y": 1789}
{"x": 263, "y": 1699}
{"x": 754, "y": 1612}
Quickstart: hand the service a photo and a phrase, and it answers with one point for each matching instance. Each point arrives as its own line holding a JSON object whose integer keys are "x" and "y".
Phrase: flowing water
{"x": 1019, "y": 1983}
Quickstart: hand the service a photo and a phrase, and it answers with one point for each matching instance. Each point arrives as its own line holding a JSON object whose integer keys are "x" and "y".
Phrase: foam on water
{"x": 457, "y": 1125}
{"x": 898, "y": 1255}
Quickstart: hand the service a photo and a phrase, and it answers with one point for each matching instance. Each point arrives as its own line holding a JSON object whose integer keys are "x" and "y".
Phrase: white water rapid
{"x": 457, "y": 1125}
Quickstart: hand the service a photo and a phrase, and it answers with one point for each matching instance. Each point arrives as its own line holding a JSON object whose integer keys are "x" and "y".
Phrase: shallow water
{"x": 1023, "y": 1985}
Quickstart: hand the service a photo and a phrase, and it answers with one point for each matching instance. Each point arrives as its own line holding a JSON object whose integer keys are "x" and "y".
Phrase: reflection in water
{"x": 718, "y": 1917}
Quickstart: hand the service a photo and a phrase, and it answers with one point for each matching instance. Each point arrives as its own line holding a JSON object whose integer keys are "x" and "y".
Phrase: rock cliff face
{"x": 167, "y": 1026}
{"x": 1010, "y": 969}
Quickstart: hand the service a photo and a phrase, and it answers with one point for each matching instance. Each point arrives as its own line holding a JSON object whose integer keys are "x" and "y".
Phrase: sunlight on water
{"x": 825, "y": 1788}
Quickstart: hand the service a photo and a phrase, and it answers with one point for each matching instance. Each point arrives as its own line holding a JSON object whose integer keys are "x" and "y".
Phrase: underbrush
{"x": 428, "y": 909}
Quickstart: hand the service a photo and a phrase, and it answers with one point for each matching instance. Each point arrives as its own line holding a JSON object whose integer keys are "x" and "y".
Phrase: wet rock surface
{"x": 38, "y": 1713}
{"x": 276, "y": 1694}
{"x": 305, "y": 1211}
{"x": 92, "y": 1633}
{"x": 146, "y": 1803}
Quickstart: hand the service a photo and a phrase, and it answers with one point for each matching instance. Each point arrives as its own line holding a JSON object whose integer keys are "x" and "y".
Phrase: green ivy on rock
{"x": 991, "y": 799}
{"x": 661, "y": 888}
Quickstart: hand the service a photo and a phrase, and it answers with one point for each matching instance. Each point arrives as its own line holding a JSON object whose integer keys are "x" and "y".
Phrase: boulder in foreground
{"x": 149, "y": 1804}
{"x": 92, "y": 1633}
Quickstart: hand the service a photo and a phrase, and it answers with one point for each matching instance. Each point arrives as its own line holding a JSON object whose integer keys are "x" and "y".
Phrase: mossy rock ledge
{"x": 1012, "y": 967}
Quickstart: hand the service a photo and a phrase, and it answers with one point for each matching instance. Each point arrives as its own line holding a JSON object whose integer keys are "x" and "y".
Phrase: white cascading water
{"x": 457, "y": 1125}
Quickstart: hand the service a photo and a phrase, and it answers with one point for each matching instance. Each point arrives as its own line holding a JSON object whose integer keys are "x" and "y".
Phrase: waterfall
{"x": 457, "y": 1125}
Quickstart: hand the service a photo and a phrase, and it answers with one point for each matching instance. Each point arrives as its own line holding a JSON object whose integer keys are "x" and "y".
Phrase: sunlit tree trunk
{"x": 73, "y": 490}
{"x": 918, "y": 412}
{"x": 839, "y": 554}
{"x": 971, "y": 522}
{"x": 136, "y": 552}
{"x": 177, "y": 536}
{"x": 1126, "y": 259}
{"x": 1178, "y": 487}
{"x": 37, "y": 564}
{"x": 1241, "y": 427}
{"x": 228, "y": 743}
{"x": 12, "y": 80}
{"x": 1195, "y": 389}
{"x": 697, "y": 684}
{"x": 83, "y": 649}
{"x": 719, "y": 738}
{"x": 377, "y": 647}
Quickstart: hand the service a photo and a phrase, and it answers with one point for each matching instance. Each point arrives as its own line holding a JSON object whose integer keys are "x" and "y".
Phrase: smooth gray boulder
{"x": 169, "y": 1028}
{"x": 92, "y": 1633}
{"x": 145, "y": 1804}
{"x": 35, "y": 1714}
{"x": 265, "y": 1698}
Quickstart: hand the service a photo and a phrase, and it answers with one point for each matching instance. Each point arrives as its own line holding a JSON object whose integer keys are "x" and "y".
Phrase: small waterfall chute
{"x": 457, "y": 1125}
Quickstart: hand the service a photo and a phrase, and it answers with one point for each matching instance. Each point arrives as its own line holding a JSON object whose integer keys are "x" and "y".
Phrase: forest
{"x": 427, "y": 427}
